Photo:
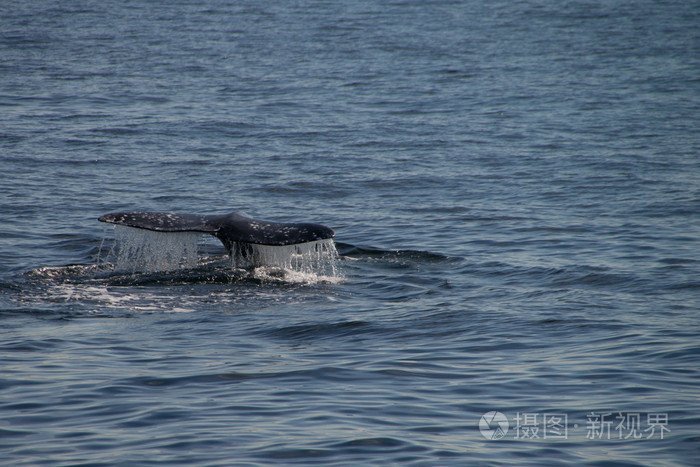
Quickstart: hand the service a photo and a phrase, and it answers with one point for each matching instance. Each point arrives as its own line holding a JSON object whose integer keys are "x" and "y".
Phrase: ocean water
{"x": 515, "y": 190}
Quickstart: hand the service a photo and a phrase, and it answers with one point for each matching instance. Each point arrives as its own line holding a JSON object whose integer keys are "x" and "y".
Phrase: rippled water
{"x": 514, "y": 188}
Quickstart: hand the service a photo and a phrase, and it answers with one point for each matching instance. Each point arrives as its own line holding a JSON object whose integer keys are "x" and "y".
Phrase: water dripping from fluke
{"x": 137, "y": 250}
{"x": 301, "y": 262}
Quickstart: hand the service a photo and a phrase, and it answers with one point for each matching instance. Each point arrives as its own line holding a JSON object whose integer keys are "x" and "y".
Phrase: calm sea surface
{"x": 515, "y": 190}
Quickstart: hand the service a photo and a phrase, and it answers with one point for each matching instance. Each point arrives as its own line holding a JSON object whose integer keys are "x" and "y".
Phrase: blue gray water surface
{"x": 515, "y": 190}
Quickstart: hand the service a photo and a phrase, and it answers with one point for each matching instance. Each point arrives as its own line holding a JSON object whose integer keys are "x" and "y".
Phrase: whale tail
{"x": 231, "y": 229}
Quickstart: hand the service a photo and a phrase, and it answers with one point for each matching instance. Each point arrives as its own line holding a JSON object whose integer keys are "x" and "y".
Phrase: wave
{"x": 319, "y": 330}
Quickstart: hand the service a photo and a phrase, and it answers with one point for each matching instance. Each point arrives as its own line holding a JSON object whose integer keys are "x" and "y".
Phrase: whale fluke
{"x": 231, "y": 228}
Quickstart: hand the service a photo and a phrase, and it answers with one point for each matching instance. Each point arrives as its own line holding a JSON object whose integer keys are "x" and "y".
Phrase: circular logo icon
{"x": 493, "y": 425}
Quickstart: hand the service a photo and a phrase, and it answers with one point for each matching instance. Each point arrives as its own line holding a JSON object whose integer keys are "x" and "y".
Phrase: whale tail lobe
{"x": 231, "y": 229}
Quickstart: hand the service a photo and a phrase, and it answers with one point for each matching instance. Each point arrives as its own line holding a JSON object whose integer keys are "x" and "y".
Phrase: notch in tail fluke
{"x": 230, "y": 228}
